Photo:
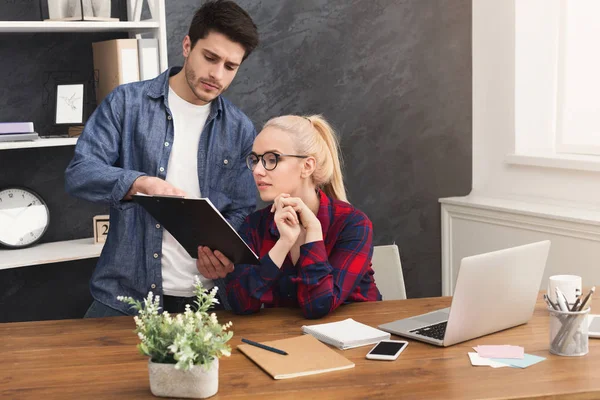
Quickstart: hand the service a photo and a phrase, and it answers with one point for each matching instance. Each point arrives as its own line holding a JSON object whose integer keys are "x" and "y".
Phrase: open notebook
{"x": 346, "y": 334}
{"x": 306, "y": 356}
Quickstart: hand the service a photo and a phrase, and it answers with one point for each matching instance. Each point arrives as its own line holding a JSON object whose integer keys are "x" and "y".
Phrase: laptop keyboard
{"x": 436, "y": 331}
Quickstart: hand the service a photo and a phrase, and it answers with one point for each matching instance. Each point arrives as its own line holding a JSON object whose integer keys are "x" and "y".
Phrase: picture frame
{"x": 69, "y": 102}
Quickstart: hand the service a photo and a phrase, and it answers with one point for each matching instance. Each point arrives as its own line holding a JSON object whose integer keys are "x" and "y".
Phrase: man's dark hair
{"x": 227, "y": 18}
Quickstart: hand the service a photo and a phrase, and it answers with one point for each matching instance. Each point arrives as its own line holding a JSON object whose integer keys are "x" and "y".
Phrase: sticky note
{"x": 527, "y": 361}
{"x": 476, "y": 360}
{"x": 502, "y": 351}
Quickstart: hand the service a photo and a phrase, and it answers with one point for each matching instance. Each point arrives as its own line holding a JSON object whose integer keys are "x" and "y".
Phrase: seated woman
{"x": 315, "y": 249}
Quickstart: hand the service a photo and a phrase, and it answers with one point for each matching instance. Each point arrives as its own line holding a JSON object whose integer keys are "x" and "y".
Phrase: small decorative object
{"x": 134, "y": 9}
{"x": 69, "y": 102}
{"x": 79, "y": 10}
{"x": 101, "y": 226}
{"x": 184, "y": 351}
{"x": 75, "y": 130}
{"x": 24, "y": 217}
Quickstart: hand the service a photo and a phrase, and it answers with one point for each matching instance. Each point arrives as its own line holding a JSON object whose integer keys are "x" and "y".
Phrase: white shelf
{"x": 42, "y": 142}
{"x": 47, "y": 253}
{"x": 75, "y": 26}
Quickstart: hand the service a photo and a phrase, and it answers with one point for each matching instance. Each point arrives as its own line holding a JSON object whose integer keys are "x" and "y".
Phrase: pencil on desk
{"x": 264, "y": 346}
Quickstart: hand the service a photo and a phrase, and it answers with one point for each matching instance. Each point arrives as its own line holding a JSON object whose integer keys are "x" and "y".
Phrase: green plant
{"x": 190, "y": 338}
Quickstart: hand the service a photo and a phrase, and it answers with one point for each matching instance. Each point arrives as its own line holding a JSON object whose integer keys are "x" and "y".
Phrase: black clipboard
{"x": 196, "y": 222}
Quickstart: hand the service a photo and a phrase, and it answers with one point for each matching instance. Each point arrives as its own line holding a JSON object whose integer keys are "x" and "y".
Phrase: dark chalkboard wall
{"x": 393, "y": 76}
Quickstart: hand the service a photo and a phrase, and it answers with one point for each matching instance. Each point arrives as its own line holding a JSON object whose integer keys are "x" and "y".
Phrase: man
{"x": 172, "y": 135}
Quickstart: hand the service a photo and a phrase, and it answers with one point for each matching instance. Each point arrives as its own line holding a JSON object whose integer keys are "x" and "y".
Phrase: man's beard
{"x": 191, "y": 79}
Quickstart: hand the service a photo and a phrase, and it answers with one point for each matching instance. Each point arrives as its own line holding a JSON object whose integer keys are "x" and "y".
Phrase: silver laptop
{"x": 494, "y": 291}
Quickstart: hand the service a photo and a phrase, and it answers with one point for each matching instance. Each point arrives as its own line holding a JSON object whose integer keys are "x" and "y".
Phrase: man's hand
{"x": 151, "y": 185}
{"x": 213, "y": 265}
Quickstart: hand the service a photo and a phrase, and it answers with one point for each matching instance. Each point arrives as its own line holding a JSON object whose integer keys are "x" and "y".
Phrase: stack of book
{"x": 17, "y": 131}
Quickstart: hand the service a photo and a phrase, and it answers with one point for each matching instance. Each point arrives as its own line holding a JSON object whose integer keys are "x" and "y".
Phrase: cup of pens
{"x": 568, "y": 324}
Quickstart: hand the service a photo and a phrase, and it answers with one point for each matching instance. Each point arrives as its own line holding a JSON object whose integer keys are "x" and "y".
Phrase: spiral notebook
{"x": 346, "y": 334}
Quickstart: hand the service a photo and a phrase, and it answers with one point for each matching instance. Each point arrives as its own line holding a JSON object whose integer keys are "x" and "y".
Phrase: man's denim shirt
{"x": 131, "y": 134}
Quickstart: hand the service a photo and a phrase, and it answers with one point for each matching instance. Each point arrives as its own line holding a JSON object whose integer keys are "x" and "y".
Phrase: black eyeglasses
{"x": 269, "y": 159}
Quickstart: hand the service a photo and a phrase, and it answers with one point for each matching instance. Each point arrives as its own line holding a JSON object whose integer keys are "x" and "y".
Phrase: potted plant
{"x": 184, "y": 350}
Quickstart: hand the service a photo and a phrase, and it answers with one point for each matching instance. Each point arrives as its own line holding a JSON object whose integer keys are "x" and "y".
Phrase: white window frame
{"x": 561, "y": 130}
{"x": 538, "y": 50}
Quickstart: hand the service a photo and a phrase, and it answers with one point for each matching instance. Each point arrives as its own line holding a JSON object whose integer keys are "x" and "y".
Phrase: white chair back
{"x": 388, "y": 272}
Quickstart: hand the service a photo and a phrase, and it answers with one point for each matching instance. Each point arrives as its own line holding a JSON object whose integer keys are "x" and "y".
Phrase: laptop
{"x": 494, "y": 291}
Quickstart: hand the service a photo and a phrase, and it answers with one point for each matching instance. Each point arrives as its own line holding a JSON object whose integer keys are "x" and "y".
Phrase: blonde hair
{"x": 313, "y": 136}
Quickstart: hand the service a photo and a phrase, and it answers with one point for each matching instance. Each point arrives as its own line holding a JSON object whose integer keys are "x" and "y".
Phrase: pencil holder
{"x": 569, "y": 332}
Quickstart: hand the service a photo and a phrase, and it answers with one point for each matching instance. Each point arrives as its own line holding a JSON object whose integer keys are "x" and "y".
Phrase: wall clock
{"x": 24, "y": 217}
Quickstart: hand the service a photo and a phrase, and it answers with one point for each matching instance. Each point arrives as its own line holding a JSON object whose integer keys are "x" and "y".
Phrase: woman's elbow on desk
{"x": 245, "y": 312}
{"x": 242, "y": 308}
{"x": 316, "y": 311}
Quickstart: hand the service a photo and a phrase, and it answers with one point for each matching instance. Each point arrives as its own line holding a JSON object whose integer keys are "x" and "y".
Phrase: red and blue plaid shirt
{"x": 328, "y": 273}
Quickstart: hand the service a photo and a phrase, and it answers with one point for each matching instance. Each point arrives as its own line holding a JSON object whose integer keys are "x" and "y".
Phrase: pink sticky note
{"x": 502, "y": 351}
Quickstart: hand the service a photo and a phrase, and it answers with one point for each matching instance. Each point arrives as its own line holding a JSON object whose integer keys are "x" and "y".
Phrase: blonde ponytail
{"x": 334, "y": 186}
{"x": 313, "y": 136}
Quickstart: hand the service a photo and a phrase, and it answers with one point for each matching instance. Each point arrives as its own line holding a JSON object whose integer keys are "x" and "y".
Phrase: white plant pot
{"x": 196, "y": 383}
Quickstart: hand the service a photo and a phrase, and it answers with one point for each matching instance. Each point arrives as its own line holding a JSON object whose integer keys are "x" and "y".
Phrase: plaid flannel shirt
{"x": 328, "y": 273}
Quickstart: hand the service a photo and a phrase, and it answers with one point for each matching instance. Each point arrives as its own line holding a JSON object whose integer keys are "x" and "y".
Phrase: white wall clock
{"x": 24, "y": 217}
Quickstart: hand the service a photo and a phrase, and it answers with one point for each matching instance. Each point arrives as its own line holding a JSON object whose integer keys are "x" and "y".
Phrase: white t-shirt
{"x": 178, "y": 268}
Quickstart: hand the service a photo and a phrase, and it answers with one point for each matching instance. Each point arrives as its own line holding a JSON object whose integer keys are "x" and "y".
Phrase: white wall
{"x": 494, "y": 105}
{"x": 476, "y": 225}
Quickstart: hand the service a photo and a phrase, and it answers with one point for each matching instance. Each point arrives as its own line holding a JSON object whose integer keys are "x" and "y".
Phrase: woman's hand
{"x": 287, "y": 221}
{"x": 308, "y": 219}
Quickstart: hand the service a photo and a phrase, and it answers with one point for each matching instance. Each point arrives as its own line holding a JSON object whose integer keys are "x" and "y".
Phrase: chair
{"x": 388, "y": 272}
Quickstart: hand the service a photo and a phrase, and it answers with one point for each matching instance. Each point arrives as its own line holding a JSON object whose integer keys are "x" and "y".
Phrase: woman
{"x": 315, "y": 249}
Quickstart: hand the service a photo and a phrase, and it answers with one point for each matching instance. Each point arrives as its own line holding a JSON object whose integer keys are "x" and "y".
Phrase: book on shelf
{"x": 16, "y": 127}
{"x": 80, "y": 10}
{"x": 117, "y": 63}
{"x": 121, "y": 61}
{"x": 18, "y": 137}
{"x": 17, "y": 132}
{"x": 346, "y": 334}
{"x": 148, "y": 58}
{"x": 85, "y": 18}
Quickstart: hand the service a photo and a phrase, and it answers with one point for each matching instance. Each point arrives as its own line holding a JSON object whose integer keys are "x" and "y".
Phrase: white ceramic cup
{"x": 570, "y": 285}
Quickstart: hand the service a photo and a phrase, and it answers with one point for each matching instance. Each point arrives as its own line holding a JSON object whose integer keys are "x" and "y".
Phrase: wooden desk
{"x": 97, "y": 359}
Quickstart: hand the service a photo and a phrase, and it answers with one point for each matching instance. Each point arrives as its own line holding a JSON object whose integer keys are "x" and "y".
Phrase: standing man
{"x": 172, "y": 135}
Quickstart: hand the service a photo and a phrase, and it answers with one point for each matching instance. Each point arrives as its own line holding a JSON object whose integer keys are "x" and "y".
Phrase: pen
{"x": 263, "y": 346}
{"x": 566, "y": 301}
{"x": 576, "y": 304}
{"x": 549, "y": 302}
{"x": 561, "y": 300}
{"x": 568, "y": 325}
{"x": 587, "y": 299}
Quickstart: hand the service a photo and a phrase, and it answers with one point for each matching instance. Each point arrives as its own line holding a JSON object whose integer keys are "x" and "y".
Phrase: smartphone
{"x": 387, "y": 350}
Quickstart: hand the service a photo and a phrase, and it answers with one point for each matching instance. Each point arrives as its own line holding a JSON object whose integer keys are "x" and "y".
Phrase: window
{"x": 578, "y": 78}
{"x": 557, "y": 78}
